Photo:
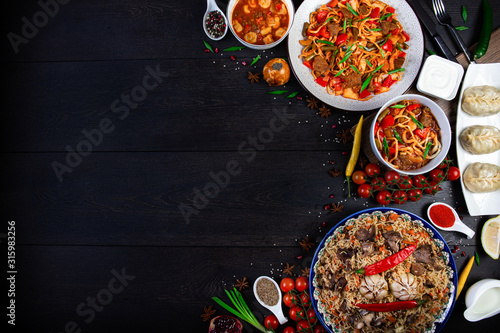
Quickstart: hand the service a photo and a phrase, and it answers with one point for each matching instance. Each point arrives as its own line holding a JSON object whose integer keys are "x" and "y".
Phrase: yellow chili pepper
{"x": 464, "y": 275}
{"x": 354, "y": 154}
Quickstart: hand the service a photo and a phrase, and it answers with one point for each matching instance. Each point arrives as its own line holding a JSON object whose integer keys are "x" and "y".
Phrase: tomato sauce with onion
{"x": 260, "y": 22}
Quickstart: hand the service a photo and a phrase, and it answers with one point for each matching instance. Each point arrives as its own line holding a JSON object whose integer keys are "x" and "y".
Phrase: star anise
{"x": 306, "y": 244}
{"x": 306, "y": 271}
{"x": 362, "y": 161}
{"x": 241, "y": 284}
{"x": 288, "y": 269}
{"x": 336, "y": 208}
{"x": 324, "y": 111}
{"x": 208, "y": 313}
{"x": 253, "y": 77}
{"x": 335, "y": 172}
{"x": 312, "y": 103}
{"x": 345, "y": 135}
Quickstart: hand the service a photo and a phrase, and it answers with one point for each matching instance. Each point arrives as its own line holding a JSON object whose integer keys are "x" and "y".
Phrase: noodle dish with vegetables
{"x": 383, "y": 271}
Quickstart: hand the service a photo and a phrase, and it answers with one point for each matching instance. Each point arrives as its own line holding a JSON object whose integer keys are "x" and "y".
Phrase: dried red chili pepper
{"x": 388, "y": 262}
{"x": 393, "y": 306}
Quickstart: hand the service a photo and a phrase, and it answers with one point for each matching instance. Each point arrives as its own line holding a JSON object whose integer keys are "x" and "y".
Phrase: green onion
{"x": 345, "y": 25}
{"x": 397, "y": 106}
{"x": 396, "y": 135}
{"x": 385, "y": 16}
{"x": 419, "y": 124}
{"x": 346, "y": 56}
{"x": 328, "y": 19}
{"x": 368, "y": 62}
{"x": 367, "y": 81}
{"x": 477, "y": 258}
{"x": 386, "y": 148}
{"x": 382, "y": 53}
{"x": 340, "y": 72}
{"x": 396, "y": 70}
{"x": 355, "y": 69}
{"x": 325, "y": 42}
{"x": 461, "y": 28}
{"x": 208, "y": 46}
{"x": 430, "y": 52}
{"x": 464, "y": 13}
{"x": 277, "y": 92}
{"x": 234, "y": 48}
{"x": 375, "y": 29}
{"x": 351, "y": 9}
{"x": 350, "y": 23}
{"x": 398, "y": 46}
{"x": 292, "y": 94}
{"x": 242, "y": 310}
{"x": 427, "y": 148}
{"x": 257, "y": 58}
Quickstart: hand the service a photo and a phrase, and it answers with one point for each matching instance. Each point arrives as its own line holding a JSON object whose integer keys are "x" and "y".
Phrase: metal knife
{"x": 430, "y": 26}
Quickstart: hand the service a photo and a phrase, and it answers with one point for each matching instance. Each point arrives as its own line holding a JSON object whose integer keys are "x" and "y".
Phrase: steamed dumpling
{"x": 480, "y": 139}
{"x": 482, "y": 177}
{"x": 481, "y": 101}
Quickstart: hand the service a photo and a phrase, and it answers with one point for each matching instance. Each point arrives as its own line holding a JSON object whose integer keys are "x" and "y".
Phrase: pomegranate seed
{"x": 327, "y": 207}
{"x": 233, "y": 58}
{"x": 332, "y": 196}
{"x": 456, "y": 248}
{"x": 463, "y": 254}
{"x": 331, "y": 162}
{"x": 207, "y": 50}
{"x": 344, "y": 153}
{"x": 453, "y": 251}
{"x": 216, "y": 50}
{"x": 299, "y": 98}
{"x": 244, "y": 63}
{"x": 323, "y": 224}
{"x": 299, "y": 257}
{"x": 333, "y": 126}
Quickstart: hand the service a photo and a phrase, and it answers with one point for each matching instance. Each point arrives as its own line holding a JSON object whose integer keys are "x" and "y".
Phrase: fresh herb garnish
{"x": 368, "y": 62}
{"x": 397, "y": 106}
{"x": 419, "y": 124}
{"x": 398, "y": 46}
{"x": 347, "y": 54}
{"x": 242, "y": 310}
{"x": 208, "y": 46}
{"x": 351, "y": 9}
{"x": 367, "y": 81}
{"x": 257, "y": 58}
{"x": 345, "y": 25}
{"x": 386, "y": 148}
{"x": 396, "y": 70}
{"x": 464, "y": 13}
{"x": 430, "y": 52}
{"x": 461, "y": 28}
{"x": 293, "y": 94}
{"x": 340, "y": 72}
{"x": 385, "y": 16}
{"x": 277, "y": 92}
{"x": 375, "y": 29}
{"x": 234, "y": 48}
{"x": 396, "y": 135}
{"x": 325, "y": 42}
{"x": 477, "y": 258}
{"x": 427, "y": 148}
{"x": 355, "y": 69}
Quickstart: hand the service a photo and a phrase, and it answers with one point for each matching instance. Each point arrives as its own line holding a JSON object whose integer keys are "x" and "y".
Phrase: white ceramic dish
{"x": 291, "y": 13}
{"x": 442, "y": 120}
{"x": 477, "y": 75}
{"x": 440, "y": 77}
{"x": 414, "y": 57}
{"x": 482, "y": 300}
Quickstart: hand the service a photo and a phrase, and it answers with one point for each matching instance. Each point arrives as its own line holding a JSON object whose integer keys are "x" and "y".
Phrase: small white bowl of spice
{"x": 268, "y": 294}
{"x": 214, "y": 21}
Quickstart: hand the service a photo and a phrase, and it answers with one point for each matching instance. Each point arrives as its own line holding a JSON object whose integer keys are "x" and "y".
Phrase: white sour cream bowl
{"x": 440, "y": 78}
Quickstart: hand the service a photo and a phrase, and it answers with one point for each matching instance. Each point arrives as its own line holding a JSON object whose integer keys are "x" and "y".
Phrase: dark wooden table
{"x": 144, "y": 179}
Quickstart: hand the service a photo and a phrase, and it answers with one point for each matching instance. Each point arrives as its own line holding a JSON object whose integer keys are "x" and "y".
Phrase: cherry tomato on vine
{"x": 271, "y": 322}
{"x": 378, "y": 183}
{"x": 289, "y": 329}
{"x": 311, "y": 315}
{"x": 303, "y": 326}
{"x": 296, "y": 313}
{"x": 391, "y": 177}
{"x": 304, "y": 297}
{"x": 432, "y": 189}
{"x": 405, "y": 182}
{"x": 436, "y": 175}
{"x": 371, "y": 170}
{"x": 443, "y": 164}
{"x": 384, "y": 197}
{"x": 301, "y": 284}
{"x": 419, "y": 181}
{"x": 318, "y": 328}
{"x": 287, "y": 284}
{"x": 289, "y": 298}
{"x": 399, "y": 197}
{"x": 414, "y": 194}
{"x": 365, "y": 190}
{"x": 359, "y": 177}
{"x": 453, "y": 173}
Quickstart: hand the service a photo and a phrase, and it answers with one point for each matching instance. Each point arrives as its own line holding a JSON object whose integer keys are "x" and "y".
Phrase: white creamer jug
{"x": 482, "y": 300}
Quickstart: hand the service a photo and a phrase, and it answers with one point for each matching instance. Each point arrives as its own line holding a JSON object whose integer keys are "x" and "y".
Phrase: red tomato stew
{"x": 260, "y": 21}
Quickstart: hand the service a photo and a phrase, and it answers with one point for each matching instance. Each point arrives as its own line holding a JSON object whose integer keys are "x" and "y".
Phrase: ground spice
{"x": 442, "y": 216}
{"x": 267, "y": 292}
{"x": 215, "y": 23}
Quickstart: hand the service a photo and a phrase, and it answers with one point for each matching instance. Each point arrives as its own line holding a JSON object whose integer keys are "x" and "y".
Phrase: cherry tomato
{"x": 391, "y": 177}
{"x": 289, "y": 298}
{"x": 444, "y": 164}
{"x": 399, "y": 197}
{"x": 378, "y": 183}
{"x": 453, "y": 173}
{"x": 365, "y": 190}
{"x": 287, "y": 284}
{"x": 311, "y": 315}
{"x": 304, "y": 297}
{"x": 296, "y": 313}
{"x": 318, "y": 328}
{"x": 372, "y": 170}
{"x": 405, "y": 182}
{"x": 359, "y": 177}
{"x": 419, "y": 181}
{"x": 414, "y": 194}
{"x": 436, "y": 175}
{"x": 289, "y": 329}
{"x": 432, "y": 189}
{"x": 384, "y": 197}
{"x": 301, "y": 284}
{"x": 271, "y": 321}
{"x": 303, "y": 326}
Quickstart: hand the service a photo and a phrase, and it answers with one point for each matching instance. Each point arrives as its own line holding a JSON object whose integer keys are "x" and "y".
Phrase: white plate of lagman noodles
{"x": 486, "y": 203}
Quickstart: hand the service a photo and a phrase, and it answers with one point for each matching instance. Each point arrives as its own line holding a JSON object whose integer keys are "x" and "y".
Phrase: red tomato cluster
{"x": 296, "y": 298}
{"x": 393, "y": 187}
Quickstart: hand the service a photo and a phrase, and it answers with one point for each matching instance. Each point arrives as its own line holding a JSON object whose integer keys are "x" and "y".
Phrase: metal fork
{"x": 444, "y": 19}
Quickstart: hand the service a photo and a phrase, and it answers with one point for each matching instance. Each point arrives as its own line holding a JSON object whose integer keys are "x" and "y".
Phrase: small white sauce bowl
{"x": 440, "y": 78}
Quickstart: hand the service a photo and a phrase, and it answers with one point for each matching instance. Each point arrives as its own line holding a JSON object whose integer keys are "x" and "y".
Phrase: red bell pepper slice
{"x": 402, "y": 54}
{"x": 395, "y": 32}
{"x": 308, "y": 64}
{"x": 341, "y": 38}
{"x": 387, "y": 46}
{"x": 413, "y": 107}
{"x": 406, "y": 36}
{"x": 321, "y": 16}
{"x": 323, "y": 32}
{"x": 332, "y": 3}
{"x": 387, "y": 121}
{"x": 375, "y": 13}
{"x": 388, "y": 81}
{"x": 422, "y": 133}
{"x": 321, "y": 81}
{"x": 389, "y": 9}
{"x": 376, "y": 127}
{"x": 364, "y": 94}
